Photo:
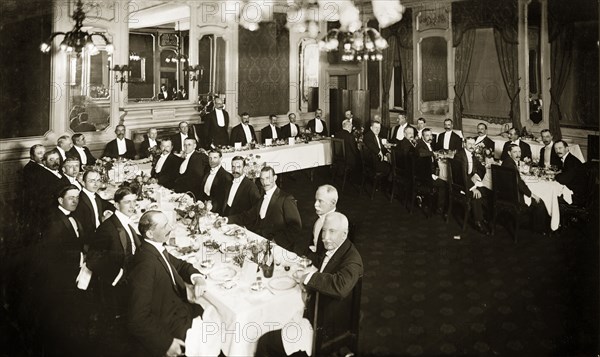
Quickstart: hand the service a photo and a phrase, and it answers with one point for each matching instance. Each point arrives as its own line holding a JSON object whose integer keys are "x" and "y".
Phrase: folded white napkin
{"x": 204, "y": 337}
{"x": 567, "y": 194}
{"x": 297, "y": 335}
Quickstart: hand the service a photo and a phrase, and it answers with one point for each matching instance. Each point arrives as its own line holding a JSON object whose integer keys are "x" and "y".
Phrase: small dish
{"x": 223, "y": 274}
{"x": 208, "y": 263}
{"x": 282, "y": 283}
{"x": 228, "y": 285}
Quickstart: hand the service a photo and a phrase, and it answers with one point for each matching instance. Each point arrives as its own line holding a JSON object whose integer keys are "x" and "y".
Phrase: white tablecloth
{"x": 499, "y": 141}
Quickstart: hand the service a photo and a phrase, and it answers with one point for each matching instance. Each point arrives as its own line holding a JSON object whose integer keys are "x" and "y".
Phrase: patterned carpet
{"x": 426, "y": 293}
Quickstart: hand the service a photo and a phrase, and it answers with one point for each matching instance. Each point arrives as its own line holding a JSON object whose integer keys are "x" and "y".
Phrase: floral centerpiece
{"x": 358, "y": 134}
{"x": 155, "y": 153}
{"x": 142, "y": 187}
{"x": 102, "y": 166}
{"x": 190, "y": 212}
{"x": 253, "y": 251}
{"x": 253, "y": 165}
{"x": 482, "y": 153}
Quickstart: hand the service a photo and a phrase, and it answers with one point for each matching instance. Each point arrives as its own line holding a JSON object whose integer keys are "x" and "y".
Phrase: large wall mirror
{"x": 89, "y": 89}
{"x": 534, "y": 18}
{"x": 212, "y": 52}
{"x": 159, "y": 52}
{"x": 308, "y": 89}
{"x": 433, "y": 53}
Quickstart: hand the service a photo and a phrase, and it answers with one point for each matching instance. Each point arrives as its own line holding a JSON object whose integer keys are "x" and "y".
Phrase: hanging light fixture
{"x": 76, "y": 40}
{"x": 179, "y": 55}
{"x": 364, "y": 44}
{"x": 134, "y": 56}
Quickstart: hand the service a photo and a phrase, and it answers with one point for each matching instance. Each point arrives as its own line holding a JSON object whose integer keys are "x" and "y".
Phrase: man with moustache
{"x": 571, "y": 173}
{"x": 378, "y": 152}
{"x": 80, "y": 151}
{"x": 425, "y": 167}
{"x": 148, "y": 143}
{"x": 482, "y": 138}
{"x": 243, "y": 132}
{"x": 217, "y": 122}
{"x": 191, "y": 170}
{"x": 448, "y": 140}
{"x": 179, "y": 138}
{"x": 271, "y": 131}
{"x": 243, "y": 193}
{"x": 421, "y": 123}
{"x": 548, "y": 155}
{"x": 166, "y": 167}
{"x": 110, "y": 252}
{"x": 70, "y": 169}
{"x": 120, "y": 147}
{"x": 49, "y": 181}
{"x": 216, "y": 182}
{"x": 92, "y": 209}
{"x": 318, "y": 125}
{"x": 291, "y": 129}
{"x": 397, "y": 133}
{"x": 326, "y": 199}
{"x": 515, "y": 139}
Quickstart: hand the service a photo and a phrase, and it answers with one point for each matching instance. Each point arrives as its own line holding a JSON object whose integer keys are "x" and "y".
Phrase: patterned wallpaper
{"x": 264, "y": 68}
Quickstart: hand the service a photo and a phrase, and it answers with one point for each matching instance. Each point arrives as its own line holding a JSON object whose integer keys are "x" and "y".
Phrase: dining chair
{"x": 458, "y": 189}
{"x": 421, "y": 182}
{"x": 338, "y": 161}
{"x": 581, "y": 210}
{"x": 368, "y": 169}
{"x": 400, "y": 177}
{"x": 505, "y": 196}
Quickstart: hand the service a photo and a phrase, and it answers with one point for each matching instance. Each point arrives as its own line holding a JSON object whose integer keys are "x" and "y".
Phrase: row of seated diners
{"x": 72, "y": 229}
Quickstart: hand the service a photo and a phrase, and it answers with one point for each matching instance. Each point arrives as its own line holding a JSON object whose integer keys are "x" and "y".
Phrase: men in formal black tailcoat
{"x": 149, "y": 143}
{"x": 548, "y": 156}
{"x": 166, "y": 168}
{"x": 216, "y": 182}
{"x": 572, "y": 172}
{"x": 326, "y": 199}
{"x": 217, "y": 123}
{"x": 48, "y": 182}
{"x": 120, "y": 147}
{"x": 164, "y": 93}
{"x": 62, "y": 313}
{"x": 448, "y": 140}
{"x": 482, "y": 138}
{"x": 475, "y": 172}
{"x": 377, "y": 151}
{"x": 92, "y": 209}
{"x": 70, "y": 170}
{"x": 179, "y": 138}
{"x": 539, "y": 214}
{"x": 191, "y": 170}
{"x": 405, "y": 147}
{"x": 318, "y": 125}
{"x": 29, "y": 200}
{"x": 350, "y": 145}
{"x": 63, "y": 146}
{"x": 80, "y": 151}
{"x": 425, "y": 169}
{"x": 421, "y": 124}
{"x": 111, "y": 249}
{"x": 340, "y": 267}
{"x": 159, "y": 314}
{"x": 356, "y": 122}
{"x": 243, "y": 193}
{"x": 291, "y": 129}
{"x": 243, "y": 132}
{"x": 274, "y": 217}
{"x": 397, "y": 132}
{"x": 271, "y": 131}
{"x": 513, "y": 135}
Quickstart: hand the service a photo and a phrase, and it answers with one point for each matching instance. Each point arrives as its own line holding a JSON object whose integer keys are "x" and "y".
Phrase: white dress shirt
{"x": 121, "y": 146}
{"x": 71, "y": 220}
{"x": 184, "y": 164}
{"x": 74, "y": 181}
{"x": 326, "y": 259}
{"x": 469, "y": 161}
{"x": 63, "y": 154}
{"x": 380, "y": 154}
{"x": 480, "y": 139}
{"x": 210, "y": 179}
{"x": 161, "y": 250}
{"x": 246, "y": 128}
{"x": 447, "y": 136}
{"x": 564, "y": 157}
{"x": 266, "y": 201}
{"x": 92, "y": 196}
{"x": 419, "y": 133}
{"x": 293, "y": 129}
{"x": 152, "y": 142}
{"x": 318, "y": 126}
{"x": 317, "y": 230}
{"x": 82, "y": 154}
{"x": 235, "y": 185}
{"x": 183, "y": 137}
{"x": 220, "y": 117}
{"x": 273, "y": 131}
{"x": 548, "y": 154}
{"x": 160, "y": 162}
{"x": 127, "y": 224}
{"x": 400, "y": 132}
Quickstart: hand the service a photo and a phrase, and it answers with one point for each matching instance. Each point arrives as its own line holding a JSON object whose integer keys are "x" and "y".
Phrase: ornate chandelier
{"x": 75, "y": 40}
{"x": 363, "y": 44}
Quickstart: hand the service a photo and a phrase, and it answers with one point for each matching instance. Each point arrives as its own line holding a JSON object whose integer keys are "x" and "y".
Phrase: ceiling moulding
{"x": 155, "y": 15}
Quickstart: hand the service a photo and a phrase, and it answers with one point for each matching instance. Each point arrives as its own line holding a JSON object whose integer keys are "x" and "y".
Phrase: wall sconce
{"x": 124, "y": 71}
{"x": 196, "y": 71}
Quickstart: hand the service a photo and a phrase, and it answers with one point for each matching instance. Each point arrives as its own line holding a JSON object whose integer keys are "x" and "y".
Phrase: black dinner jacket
{"x": 478, "y": 167}
{"x": 85, "y": 213}
{"x": 350, "y": 147}
{"x": 178, "y": 143}
{"x": 238, "y": 135}
{"x": 46, "y": 188}
{"x": 145, "y": 147}
{"x": 573, "y": 176}
{"x": 455, "y": 141}
{"x": 554, "y": 159}
{"x": 286, "y": 131}
{"x": 111, "y": 150}
{"x": 405, "y": 147}
{"x": 282, "y": 221}
{"x": 267, "y": 133}
{"x": 394, "y": 132}
{"x": 487, "y": 143}
{"x": 523, "y": 189}
{"x": 218, "y": 190}
{"x": 334, "y": 286}
{"x": 60, "y": 252}
{"x": 245, "y": 198}
{"x": 74, "y": 153}
{"x": 312, "y": 124}
{"x": 169, "y": 172}
{"x": 107, "y": 252}
{"x": 191, "y": 179}
{"x": 30, "y": 178}
{"x": 525, "y": 150}
{"x": 371, "y": 143}
{"x": 158, "y": 310}
{"x": 217, "y": 135}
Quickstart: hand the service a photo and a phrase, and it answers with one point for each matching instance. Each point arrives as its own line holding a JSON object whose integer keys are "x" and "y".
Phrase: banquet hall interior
{"x": 451, "y": 265}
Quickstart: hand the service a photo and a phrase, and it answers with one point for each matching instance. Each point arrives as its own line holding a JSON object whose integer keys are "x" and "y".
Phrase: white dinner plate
{"x": 223, "y": 274}
{"x": 282, "y": 283}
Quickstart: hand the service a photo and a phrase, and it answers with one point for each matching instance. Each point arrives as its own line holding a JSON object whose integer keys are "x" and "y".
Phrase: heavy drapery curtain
{"x": 561, "y": 58}
{"x": 390, "y": 60}
{"x": 509, "y": 68}
{"x": 462, "y": 64}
